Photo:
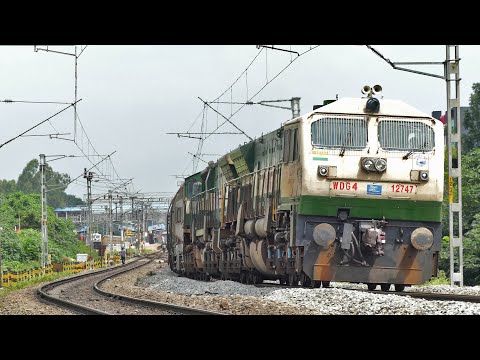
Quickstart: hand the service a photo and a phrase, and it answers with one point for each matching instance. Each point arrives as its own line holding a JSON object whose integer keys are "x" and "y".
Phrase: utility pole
{"x": 110, "y": 222}
{"x": 89, "y": 176}
{"x": 140, "y": 230}
{"x": 44, "y": 256}
{"x": 121, "y": 221}
{"x": 105, "y": 225}
{"x": 145, "y": 219}
{"x": 295, "y": 104}
{"x": 143, "y": 222}
{"x": 132, "y": 219}
{"x": 452, "y": 77}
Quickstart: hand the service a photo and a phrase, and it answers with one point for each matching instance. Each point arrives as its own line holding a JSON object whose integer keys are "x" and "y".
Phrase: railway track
{"x": 82, "y": 294}
{"x": 420, "y": 295}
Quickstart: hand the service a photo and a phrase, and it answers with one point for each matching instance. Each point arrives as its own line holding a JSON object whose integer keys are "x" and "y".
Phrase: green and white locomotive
{"x": 351, "y": 192}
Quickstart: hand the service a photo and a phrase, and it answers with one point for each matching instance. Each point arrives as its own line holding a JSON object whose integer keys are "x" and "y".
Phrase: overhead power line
{"x": 40, "y": 123}
{"x": 261, "y": 89}
{"x": 226, "y": 119}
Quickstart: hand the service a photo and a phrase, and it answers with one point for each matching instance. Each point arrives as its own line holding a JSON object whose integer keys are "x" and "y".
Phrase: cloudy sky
{"x": 132, "y": 96}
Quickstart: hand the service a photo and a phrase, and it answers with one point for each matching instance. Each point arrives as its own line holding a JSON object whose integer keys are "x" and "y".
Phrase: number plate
{"x": 402, "y": 188}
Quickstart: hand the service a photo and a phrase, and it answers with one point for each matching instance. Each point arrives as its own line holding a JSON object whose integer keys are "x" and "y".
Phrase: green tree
{"x": 30, "y": 241}
{"x": 470, "y": 187}
{"x": 72, "y": 200}
{"x": 25, "y": 246}
{"x": 29, "y": 182}
{"x": 7, "y": 186}
{"x": 471, "y": 122}
{"x": 471, "y": 254}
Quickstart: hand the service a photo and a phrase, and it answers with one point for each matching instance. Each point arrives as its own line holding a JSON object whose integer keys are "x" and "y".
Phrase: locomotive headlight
{"x": 381, "y": 165}
{"x": 323, "y": 170}
{"x": 424, "y": 175}
{"x": 369, "y": 165}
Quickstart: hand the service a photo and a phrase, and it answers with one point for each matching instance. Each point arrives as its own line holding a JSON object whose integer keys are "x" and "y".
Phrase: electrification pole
{"x": 121, "y": 221}
{"x": 132, "y": 220}
{"x": 88, "y": 234}
{"x": 295, "y": 104}
{"x": 44, "y": 256}
{"x": 110, "y": 221}
{"x": 451, "y": 75}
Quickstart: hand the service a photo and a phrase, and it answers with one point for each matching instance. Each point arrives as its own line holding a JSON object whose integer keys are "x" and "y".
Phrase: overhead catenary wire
{"x": 230, "y": 87}
{"x": 35, "y": 102}
{"x": 93, "y": 148}
{"x": 76, "y": 116}
{"x": 227, "y": 119}
{"x": 261, "y": 89}
{"x": 33, "y": 127}
{"x": 396, "y": 67}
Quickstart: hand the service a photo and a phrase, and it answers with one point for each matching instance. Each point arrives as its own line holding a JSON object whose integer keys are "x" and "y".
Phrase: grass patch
{"x": 441, "y": 279}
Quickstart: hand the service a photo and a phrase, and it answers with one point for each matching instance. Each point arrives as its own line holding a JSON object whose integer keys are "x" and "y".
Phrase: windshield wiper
{"x": 407, "y": 155}
{"x": 411, "y": 151}
{"x": 345, "y": 139}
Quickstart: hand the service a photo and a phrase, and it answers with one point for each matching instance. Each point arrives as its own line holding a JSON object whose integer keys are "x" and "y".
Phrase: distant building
{"x": 76, "y": 214}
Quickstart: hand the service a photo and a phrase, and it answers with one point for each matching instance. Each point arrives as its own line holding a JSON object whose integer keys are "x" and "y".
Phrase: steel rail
{"x": 44, "y": 296}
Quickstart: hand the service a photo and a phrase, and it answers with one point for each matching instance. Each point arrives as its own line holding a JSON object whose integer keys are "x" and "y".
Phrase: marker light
{"x": 424, "y": 175}
{"x": 323, "y": 171}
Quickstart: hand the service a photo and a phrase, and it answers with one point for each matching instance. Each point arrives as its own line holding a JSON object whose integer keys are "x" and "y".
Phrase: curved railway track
{"x": 420, "y": 295}
{"x": 82, "y": 295}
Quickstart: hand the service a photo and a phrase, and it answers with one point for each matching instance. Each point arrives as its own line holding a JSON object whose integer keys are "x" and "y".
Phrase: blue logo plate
{"x": 374, "y": 189}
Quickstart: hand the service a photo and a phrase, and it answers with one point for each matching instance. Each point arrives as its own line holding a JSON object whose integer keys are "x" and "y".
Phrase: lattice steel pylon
{"x": 452, "y": 77}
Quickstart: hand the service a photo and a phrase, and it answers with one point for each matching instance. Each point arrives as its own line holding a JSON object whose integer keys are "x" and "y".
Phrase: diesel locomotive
{"x": 351, "y": 192}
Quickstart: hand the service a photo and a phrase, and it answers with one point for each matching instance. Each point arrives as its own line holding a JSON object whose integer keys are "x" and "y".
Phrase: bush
{"x": 441, "y": 279}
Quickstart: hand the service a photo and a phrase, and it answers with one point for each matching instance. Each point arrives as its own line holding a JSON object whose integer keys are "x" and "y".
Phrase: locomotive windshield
{"x": 336, "y": 132}
{"x": 401, "y": 135}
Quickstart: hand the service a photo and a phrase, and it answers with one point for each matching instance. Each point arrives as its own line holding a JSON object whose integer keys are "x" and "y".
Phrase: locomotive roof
{"x": 357, "y": 105}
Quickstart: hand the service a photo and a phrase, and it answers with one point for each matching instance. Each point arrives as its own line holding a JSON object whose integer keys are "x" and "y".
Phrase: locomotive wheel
{"x": 325, "y": 284}
{"x": 399, "y": 287}
{"x": 305, "y": 280}
{"x": 385, "y": 287}
{"x": 371, "y": 287}
{"x": 257, "y": 279}
{"x": 292, "y": 280}
{"x": 242, "y": 278}
{"x": 207, "y": 277}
